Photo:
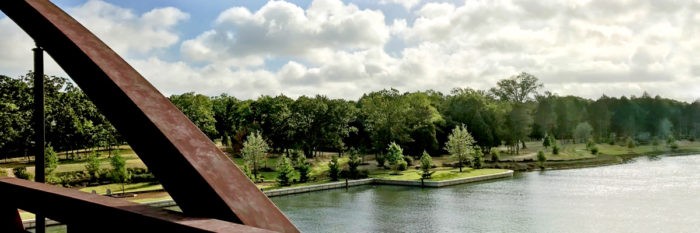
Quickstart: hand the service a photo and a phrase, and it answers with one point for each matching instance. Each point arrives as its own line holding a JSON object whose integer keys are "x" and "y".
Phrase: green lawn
{"x": 440, "y": 175}
{"x": 116, "y": 188}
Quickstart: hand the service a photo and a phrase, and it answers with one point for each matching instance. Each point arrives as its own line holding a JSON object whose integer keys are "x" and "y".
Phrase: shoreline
{"x": 600, "y": 161}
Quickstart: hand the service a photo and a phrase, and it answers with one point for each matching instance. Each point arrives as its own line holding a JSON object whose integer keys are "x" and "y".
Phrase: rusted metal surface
{"x": 199, "y": 177}
{"x": 95, "y": 213}
{"x": 10, "y": 220}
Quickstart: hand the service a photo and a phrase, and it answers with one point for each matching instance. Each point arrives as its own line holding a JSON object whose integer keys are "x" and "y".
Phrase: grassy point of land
{"x": 440, "y": 174}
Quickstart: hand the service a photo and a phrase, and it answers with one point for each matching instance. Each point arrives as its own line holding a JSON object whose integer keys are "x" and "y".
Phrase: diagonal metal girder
{"x": 199, "y": 176}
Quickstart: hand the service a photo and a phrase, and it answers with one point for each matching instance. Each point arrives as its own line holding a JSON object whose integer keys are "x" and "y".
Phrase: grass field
{"x": 440, "y": 174}
{"x": 571, "y": 155}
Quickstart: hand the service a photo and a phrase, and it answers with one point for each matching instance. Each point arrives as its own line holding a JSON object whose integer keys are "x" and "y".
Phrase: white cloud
{"x": 126, "y": 32}
{"x": 579, "y": 47}
{"x": 408, "y": 4}
{"x": 283, "y": 29}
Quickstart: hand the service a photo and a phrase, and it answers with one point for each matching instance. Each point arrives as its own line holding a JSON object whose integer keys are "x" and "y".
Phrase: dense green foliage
{"x": 72, "y": 121}
{"x": 508, "y": 114}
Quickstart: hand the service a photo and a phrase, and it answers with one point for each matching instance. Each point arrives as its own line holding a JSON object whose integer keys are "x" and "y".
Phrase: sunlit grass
{"x": 440, "y": 175}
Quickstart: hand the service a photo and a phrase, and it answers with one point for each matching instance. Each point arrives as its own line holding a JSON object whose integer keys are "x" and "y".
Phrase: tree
{"x": 582, "y": 132}
{"x": 304, "y": 170}
{"x": 199, "y": 109}
{"x": 50, "y": 160}
{"x": 541, "y": 159}
{"x": 394, "y": 156}
{"x": 458, "y": 144}
{"x": 255, "y": 152}
{"x": 478, "y": 157}
{"x": 353, "y": 164}
{"x": 518, "y": 89}
{"x": 334, "y": 168}
{"x": 119, "y": 172}
{"x": 546, "y": 142}
{"x": 285, "y": 171}
{"x": 426, "y": 163}
{"x": 92, "y": 166}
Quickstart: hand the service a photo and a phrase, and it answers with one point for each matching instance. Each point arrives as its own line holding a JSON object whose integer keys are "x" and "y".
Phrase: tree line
{"x": 512, "y": 112}
{"x": 72, "y": 122}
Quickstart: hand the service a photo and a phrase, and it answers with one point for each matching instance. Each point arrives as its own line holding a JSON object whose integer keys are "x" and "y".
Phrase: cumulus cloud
{"x": 408, "y": 4}
{"x": 283, "y": 29}
{"x": 340, "y": 49}
{"x": 129, "y": 33}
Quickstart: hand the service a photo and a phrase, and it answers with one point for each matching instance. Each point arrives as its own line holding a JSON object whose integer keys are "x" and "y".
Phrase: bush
{"x": 304, "y": 170}
{"x": 285, "y": 171}
{"x": 494, "y": 156}
{"x": 21, "y": 172}
{"x": 380, "y": 160}
{"x": 139, "y": 175}
{"x": 555, "y": 149}
{"x": 353, "y": 163}
{"x": 478, "y": 158}
{"x": 401, "y": 165}
{"x": 673, "y": 146}
{"x": 409, "y": 160}
{"x": 594, "y": 150}
{"x": 426, "y": 162}
{"x": 541, "y": 158}
{"x": 334, "y": 168}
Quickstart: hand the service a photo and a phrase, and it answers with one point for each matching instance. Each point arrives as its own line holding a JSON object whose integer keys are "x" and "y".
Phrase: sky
{"x": 343, "y": 49}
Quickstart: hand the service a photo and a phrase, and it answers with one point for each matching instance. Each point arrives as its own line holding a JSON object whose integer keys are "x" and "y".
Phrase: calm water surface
{"x": 647, "y": 195}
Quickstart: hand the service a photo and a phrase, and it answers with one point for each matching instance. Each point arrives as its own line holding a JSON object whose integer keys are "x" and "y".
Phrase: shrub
{"x": 494, "y": 156}
{"x": 673, "y": 146}
{"x": 334, "y": 168}
{"x": 285, "y": 171}
{"x": 304, "y": 170}
{"x": 555, "y": 149}
{"x": 401, "y": 165}
{"x": 408, "y": 160}
{"x": 478, "y": 157}
{"x": 426, "y": 162}
{"x": 594, "y": 150}
{"x": 353, "y": 163}
{"x": 541, "y": 158}
{"x": 21, "y": 172}
{"x": 380, "y": 160}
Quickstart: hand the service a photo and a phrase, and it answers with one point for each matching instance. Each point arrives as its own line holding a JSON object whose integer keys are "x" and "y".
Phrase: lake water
{"x": 660, "y": 194}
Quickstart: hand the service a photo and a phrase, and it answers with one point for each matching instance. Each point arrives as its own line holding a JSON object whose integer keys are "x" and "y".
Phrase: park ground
{"x": 571, "y": 156}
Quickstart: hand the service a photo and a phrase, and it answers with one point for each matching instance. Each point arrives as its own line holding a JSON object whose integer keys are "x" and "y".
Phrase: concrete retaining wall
{"x": 318, "y": 187}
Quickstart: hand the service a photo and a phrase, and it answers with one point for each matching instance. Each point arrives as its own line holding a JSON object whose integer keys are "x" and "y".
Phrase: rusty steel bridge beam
{"x": 199, "y": 176}
{"x": 95, "y": 213}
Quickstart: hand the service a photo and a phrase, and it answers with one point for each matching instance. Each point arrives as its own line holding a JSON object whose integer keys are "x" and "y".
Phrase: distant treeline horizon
{"x": 512, "y": 112}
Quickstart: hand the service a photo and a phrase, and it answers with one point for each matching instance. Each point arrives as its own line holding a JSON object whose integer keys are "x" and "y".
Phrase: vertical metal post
{"x": 39, "y": 172}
